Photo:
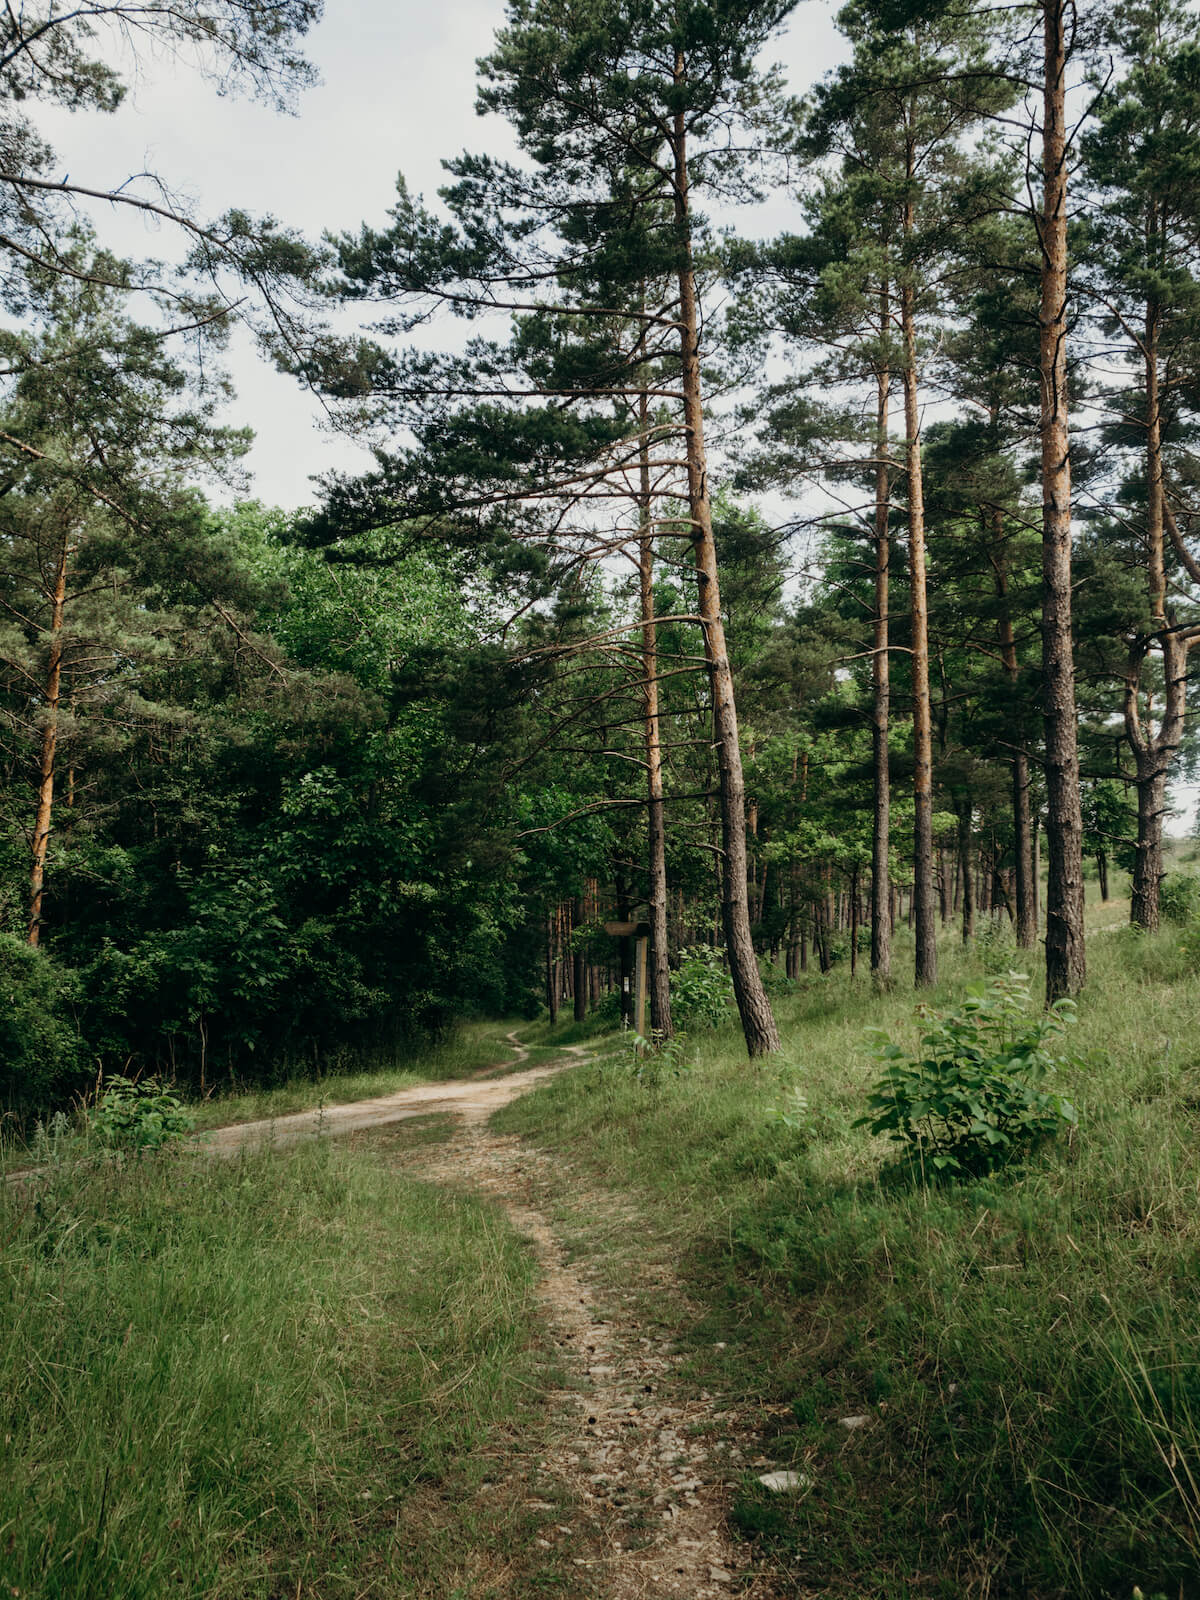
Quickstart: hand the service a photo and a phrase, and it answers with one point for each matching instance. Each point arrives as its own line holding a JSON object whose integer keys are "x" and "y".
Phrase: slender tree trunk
{"x": 923, "y": 906}
{"x": 1154, "y": 752}
{"x": 881, "y": 921}
{"x": 624, "y": 948}
{"x": 1102, "y": 871}
{"x": 579, "y": 977}
{"x": 658, "y": 978}
{"x": 754, "y": 1008}
{"x": 1026, "y": 919}
{"x": 551, "y": 973}
{"x": 43, "y": 819}
{"x": 854, "y": 923}
{"x": 1148, "y": 868}
{"x": 968, "y": 880}
{"x": 1066, "y": 960}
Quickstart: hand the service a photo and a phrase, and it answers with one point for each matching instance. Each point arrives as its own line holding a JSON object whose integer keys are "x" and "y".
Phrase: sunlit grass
{"x": 1024, "y": 1345}
{"x": 282, "y": 1375}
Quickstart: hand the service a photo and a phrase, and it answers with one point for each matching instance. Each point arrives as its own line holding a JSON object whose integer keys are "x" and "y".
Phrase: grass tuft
{"x": 283, "y": 1374}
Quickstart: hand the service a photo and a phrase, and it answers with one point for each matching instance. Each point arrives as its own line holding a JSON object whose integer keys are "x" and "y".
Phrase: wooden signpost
{"x": 641, "y": 932}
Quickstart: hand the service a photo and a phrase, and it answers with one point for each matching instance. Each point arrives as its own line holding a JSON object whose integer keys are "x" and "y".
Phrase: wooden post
{"x": 640, "y": 932}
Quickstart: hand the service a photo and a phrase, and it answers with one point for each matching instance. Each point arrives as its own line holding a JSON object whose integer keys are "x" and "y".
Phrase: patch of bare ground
{"x": 648, "y": 1466}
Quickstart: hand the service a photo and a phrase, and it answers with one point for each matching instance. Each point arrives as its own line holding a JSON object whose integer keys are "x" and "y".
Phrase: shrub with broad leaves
{"x": 977, "y": 1095}
{"x": 138, "y": 1116}
{"x": 701, "y": 989}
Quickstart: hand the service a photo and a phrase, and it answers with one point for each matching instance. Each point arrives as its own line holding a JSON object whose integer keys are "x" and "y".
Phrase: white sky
{"x": 397, "y": 95}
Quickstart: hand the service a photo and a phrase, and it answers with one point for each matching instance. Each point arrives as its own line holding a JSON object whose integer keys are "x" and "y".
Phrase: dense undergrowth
{"x": 1022, "y": 1344}
{"x": 283, "y": 1374}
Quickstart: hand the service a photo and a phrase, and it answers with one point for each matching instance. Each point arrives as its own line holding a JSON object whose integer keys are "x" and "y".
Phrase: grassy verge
{"x": 286, "y": 1375}
{"x": 1022, "y": 1347}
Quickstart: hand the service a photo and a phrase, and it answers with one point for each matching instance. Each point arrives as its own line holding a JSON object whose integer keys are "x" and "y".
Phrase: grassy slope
{"x": 284, "y": 1375}
{"x": 1026, "y": 1347}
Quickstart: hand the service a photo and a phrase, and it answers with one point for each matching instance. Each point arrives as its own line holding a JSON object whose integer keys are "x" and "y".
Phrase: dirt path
{"x": 465, "y": 1096}
{"x": 649, "y": 1471}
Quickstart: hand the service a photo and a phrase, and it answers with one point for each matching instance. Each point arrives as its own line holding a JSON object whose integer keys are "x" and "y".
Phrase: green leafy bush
{"x": 975, "y": 1097}
{"x": 138, "y": 1116}
{"x": 1179, "y": 899}
{"x": 701, "y": 989}
{"x": 41, "y": 1053}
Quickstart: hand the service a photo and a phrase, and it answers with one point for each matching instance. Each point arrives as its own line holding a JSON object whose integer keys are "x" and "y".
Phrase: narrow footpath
{"x": 650, "y": 1469}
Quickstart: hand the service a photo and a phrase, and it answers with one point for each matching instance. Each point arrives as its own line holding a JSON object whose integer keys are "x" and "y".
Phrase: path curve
{"x": 461, "y": 1096}
{"x": 649, "y": 1471}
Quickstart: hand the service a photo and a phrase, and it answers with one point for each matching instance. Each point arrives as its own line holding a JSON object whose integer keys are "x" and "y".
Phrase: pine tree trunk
{"x": 551, "y": 973}
{"x": 754, "y": 1008}
{"x": 923, "y": 908}
{"x": 1102, "y": 871}
{"x": 1066, "y": 960}
{"x": 579, "y": 977}
{"x": 1148, "y": 867}
{"x": 881, "y": 921}
{"x": 43, "y": 819}
{"x": 1026, "y": 920}
{"x": 1153, "y": 753}
{"x": 658, "y": 977}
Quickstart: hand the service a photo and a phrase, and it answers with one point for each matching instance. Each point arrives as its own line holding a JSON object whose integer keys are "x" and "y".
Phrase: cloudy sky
{"x": 397, "y": 95}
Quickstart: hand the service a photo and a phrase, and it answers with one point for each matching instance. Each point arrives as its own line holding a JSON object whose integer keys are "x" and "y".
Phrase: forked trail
{"x": 649, "y": 1472}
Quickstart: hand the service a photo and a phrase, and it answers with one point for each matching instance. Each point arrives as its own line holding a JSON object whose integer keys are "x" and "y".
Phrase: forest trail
{"x": 473, "y": 1096}
{"x": 648, "y": 1470}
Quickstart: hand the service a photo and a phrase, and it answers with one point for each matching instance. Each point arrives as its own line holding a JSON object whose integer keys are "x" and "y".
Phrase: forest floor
{"x": 543, "y": 1330}
{"x": 642, "y": 1463}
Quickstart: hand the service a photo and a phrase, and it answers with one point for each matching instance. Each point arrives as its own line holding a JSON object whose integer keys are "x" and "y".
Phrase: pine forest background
{"x": 806, "y": 598}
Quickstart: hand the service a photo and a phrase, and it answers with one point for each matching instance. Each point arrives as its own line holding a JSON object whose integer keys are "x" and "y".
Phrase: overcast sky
{"x": 397, "y": 95}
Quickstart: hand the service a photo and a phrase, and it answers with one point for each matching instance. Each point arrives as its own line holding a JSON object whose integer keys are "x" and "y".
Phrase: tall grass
{"x": 1026, "y": 1347}
{"x": 279, "y": 1376}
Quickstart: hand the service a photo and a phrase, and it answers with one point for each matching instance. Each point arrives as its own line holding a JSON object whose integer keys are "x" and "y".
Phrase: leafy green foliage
{"x": 138, "y": 1116}
{"x": 1179, "y": 899}
{"x": 40, "y": 1048}
{"x": 701, "y": 989}
{"x": 975, "y": 1096}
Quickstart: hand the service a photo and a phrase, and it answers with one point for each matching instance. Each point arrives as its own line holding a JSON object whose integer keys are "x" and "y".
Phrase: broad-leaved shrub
{"x": 701, "y": 989}
{"x": 978, "y": 1093}
{"x": 138, "y": 1116}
